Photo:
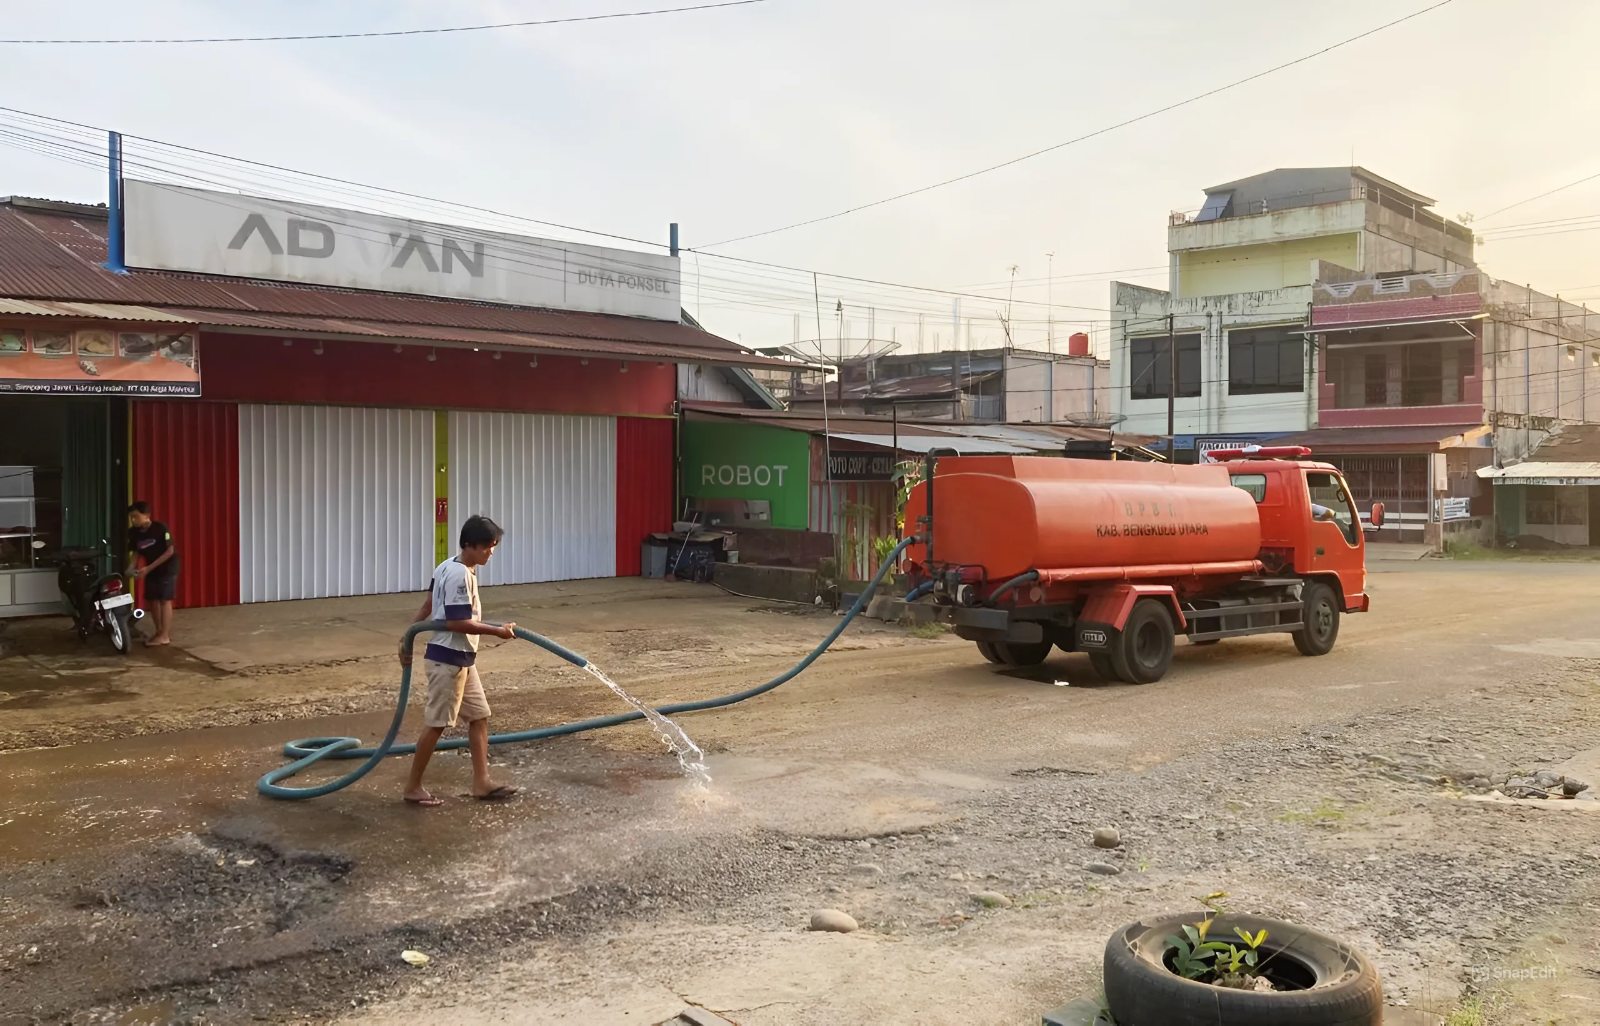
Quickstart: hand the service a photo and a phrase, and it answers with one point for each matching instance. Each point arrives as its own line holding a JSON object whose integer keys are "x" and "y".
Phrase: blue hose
{"x": 919, "y": 591}
{"x": 309, "y": 750}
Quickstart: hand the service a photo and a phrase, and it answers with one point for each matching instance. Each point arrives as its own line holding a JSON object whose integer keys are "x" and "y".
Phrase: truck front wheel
{"x": 1143, "y": 651}
{"x": 1321, "y": 619}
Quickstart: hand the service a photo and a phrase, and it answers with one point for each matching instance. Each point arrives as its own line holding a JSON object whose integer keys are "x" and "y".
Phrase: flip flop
{"x": 427, "y": 803}
{"x": 499, "y": 794}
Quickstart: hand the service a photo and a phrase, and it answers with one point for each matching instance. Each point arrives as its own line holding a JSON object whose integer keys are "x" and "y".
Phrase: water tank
{"x": 1078, "y": 344}
{"x": 1011, "y": 514}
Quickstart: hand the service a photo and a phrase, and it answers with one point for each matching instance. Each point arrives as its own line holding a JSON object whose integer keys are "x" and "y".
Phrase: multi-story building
{"x": 1238, "y": 302}
{"x": 1426, "y": 380}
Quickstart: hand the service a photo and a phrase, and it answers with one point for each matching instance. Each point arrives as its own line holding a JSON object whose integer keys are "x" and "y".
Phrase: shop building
{"x": 315, "y": 422}
{"x": 1553, "y": 495}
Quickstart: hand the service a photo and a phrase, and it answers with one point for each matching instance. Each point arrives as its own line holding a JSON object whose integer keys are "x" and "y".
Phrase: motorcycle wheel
{"x": 121, "y": 635}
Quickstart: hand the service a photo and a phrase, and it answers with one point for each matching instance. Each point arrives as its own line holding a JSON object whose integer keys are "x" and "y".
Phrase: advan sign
{"x": 174, "y": 228}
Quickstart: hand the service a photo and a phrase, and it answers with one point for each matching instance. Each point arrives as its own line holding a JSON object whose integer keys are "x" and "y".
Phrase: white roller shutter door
{"x": 550, "y": 480}
{"x": 334, "y": 501}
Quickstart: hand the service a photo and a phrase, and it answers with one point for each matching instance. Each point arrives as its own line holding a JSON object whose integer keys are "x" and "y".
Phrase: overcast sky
{"x": 739, "y": 120}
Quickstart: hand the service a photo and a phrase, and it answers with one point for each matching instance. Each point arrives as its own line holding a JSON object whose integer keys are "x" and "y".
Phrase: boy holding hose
{"x": 450, "y": 661}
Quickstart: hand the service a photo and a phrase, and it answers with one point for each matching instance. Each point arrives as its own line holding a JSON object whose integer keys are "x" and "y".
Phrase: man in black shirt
{"x": 150, "y": 541}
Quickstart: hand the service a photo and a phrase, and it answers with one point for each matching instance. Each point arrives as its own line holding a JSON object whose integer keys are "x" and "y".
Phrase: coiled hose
{"x": 310, "y": 750}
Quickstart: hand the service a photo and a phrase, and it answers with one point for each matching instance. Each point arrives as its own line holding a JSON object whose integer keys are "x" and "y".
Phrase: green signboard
{"x": 749, "y": 461}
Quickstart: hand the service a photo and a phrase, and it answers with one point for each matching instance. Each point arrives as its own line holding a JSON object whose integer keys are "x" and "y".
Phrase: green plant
{"x": 907, "y": 476}
{"x": 1470, "y": 1012}
{"x": 882, "y": 547}
{"x": 1221, "y": 963}
{"x": 927, "y": 631}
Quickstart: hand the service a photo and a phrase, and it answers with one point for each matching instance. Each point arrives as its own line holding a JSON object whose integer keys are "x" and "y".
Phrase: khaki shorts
{"x": 453, "y": 691}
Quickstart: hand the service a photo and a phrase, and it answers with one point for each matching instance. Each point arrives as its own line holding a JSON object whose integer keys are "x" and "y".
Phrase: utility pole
{"x": 1172, "y": 394}
{"x": 1049, "y": 304}
{"x": 1009, "y": 293}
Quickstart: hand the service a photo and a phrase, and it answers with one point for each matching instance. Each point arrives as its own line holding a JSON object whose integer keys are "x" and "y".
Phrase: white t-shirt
{"x": 455, "y": 597}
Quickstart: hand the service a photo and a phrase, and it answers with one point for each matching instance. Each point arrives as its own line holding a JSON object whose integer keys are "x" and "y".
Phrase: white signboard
{"x": 1453, "y": 509}
{"x": 171, "y": 228}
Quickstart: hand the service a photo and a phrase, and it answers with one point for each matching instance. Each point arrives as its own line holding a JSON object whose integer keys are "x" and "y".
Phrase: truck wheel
{"x": 1013, "y": 653}
{"x": 1102, "y": 665}
{"x": 1143, "y": 651}
{"x": 1321, "y": 613}
{"x": 986, "y": 649}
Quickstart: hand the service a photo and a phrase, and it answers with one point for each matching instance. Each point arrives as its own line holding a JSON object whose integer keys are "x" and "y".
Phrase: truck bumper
{"x": 979, "y": 624}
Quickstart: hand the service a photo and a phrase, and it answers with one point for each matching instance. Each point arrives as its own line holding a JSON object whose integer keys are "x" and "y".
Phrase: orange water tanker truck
{"x": 1116, "y": 558}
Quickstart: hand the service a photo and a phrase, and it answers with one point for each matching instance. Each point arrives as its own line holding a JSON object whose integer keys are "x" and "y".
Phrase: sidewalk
{"x": 265, "y": 635}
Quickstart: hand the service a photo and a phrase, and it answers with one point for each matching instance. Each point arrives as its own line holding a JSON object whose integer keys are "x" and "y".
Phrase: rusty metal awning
{"x": 94, "y": 311}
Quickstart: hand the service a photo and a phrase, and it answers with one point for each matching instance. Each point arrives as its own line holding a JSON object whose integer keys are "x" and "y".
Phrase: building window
{"x": 1539, "y": 506}
{"x": 1376, "y": 368}
{"x": 1421, "y": 375}
{"x": 1255, "y": 484}
{"x": 1149, "y": 363}
{"x": 1265, "y": 360}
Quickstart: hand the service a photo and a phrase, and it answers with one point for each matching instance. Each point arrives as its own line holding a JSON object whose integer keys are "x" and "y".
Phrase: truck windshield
{"x": 1329, "y": 492}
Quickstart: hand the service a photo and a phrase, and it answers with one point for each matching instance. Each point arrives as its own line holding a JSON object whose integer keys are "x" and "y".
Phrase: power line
{"x": 81, "y": 151}
{"x": 1542, "y": 195}
{"x": 380, "y": 34}
{"x": 1090, "y": 135}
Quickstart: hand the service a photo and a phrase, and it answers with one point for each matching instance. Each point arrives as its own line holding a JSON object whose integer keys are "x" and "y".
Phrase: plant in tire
{"x": 1221, "y": 963}
{"x": 1177, "y": 970}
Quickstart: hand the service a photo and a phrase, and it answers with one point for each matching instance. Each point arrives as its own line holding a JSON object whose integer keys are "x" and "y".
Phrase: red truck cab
{"x": 1309, "y": 523}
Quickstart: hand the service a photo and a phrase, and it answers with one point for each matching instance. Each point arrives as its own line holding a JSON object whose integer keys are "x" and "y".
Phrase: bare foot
{"x": 159, "y": 641}
{"x": 423, "y": 798}
{"x": 494, "y": 793}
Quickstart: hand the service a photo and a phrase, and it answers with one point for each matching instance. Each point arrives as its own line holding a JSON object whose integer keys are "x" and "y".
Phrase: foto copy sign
{"x": 173, "y": 228}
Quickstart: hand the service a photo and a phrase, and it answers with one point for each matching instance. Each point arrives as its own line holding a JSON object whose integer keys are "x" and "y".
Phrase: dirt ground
{"x": 145, "y": 881}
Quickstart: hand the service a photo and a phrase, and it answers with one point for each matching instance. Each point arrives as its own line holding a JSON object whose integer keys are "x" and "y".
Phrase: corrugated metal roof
{"x": 1335, "y": 440}
{"x": 965, "y": 444}
{"x": 1526, "y": 473}
{"x": 56, "y": 256}
{"x": 95, "y": 311}
{"x": 255, "y": 323}
{"x": 1031, "y": 437}
{"x": 1575, "y": 443}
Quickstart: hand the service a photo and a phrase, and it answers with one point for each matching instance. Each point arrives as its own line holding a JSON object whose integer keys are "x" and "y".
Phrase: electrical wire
{"x": 376, "y": 34}
{"x": 1540, "y": 196}
{"x": 1088, "y": 135}
{"x": 85, "y": 151}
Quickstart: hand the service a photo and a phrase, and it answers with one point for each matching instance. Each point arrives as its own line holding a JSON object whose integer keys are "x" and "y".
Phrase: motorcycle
{"x": 98, "y": 602}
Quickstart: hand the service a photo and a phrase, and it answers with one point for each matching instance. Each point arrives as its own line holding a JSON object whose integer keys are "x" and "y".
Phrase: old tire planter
{"x": 1340, "y": 987}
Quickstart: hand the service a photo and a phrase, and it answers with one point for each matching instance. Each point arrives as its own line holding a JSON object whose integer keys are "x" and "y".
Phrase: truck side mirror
{"x": 1375, "y": 518}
